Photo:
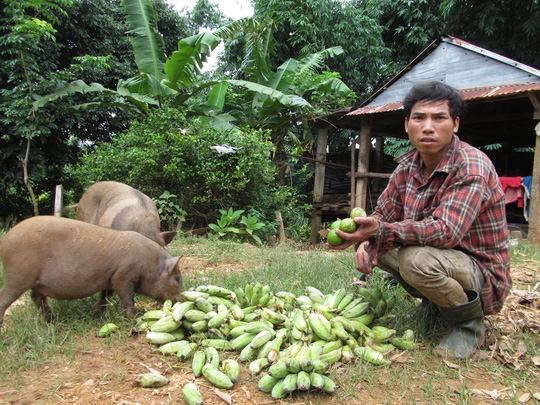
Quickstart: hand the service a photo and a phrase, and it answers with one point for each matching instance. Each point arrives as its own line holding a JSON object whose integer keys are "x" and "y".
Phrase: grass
{"x": 27, "y": 342}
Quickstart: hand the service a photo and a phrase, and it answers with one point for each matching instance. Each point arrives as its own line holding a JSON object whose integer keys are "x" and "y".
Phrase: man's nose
{"x": 428, "y": 125}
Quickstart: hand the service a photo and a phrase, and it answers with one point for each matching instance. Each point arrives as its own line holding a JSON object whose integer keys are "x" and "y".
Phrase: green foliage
{"x": 396, "y": 147}
{"x": 226, "y": 227}
{"x": 169, "y": 210}
{"x": 166, "y": 151}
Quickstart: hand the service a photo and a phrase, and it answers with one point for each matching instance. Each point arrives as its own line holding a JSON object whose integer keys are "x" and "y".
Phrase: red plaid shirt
{"x": 461, "y": 206}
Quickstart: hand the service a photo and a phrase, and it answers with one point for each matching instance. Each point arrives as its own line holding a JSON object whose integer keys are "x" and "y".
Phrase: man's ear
{"x": 406, "y": 125}
{"x": 456, "y": 125}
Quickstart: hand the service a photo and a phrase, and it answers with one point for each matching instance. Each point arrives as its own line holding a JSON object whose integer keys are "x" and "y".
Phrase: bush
{"x": 165, "y": 151}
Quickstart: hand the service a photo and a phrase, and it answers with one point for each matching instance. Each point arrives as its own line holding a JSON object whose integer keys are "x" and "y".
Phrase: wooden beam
{"x": 535, "y": 100}
{"x": 324, "y": 162}
{"x": 364, "y": 141}
{"x": 533, "y": 236}
{"x": 370, "y": 175}
{"x": 318, "y": 188}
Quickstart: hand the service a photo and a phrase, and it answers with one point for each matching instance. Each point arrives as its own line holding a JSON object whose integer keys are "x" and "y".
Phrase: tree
{"x": 91, "y": 45}
{"x": 303, "y": 27}
{"x": 27, "y": 39}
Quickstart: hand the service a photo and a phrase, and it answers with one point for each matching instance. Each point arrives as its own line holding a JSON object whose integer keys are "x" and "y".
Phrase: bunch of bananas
{"x": 293, "y": 338}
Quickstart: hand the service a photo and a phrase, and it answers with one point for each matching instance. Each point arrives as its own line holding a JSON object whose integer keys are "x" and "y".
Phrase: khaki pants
{"x": 441, "y": 275}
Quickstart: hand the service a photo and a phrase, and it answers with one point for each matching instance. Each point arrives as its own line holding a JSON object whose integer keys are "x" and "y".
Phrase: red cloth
{"x": 513, "y": 190}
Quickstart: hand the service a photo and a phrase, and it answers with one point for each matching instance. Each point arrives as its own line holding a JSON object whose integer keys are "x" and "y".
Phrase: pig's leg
{"x": 100, "y": 305}
{"x": 7, "y": 297}
{"x": 41, "y": 302}
{"x": 126, "y": 295}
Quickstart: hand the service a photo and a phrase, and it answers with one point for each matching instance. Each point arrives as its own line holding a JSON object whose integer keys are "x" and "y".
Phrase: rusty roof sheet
{"x": 476, "y": 93}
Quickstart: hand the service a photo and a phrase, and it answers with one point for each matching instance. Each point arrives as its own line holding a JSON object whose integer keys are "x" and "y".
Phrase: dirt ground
{"x": 103, "y": 371}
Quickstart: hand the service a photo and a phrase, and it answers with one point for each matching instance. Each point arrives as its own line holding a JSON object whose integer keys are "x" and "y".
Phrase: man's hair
{"x": 434, "y": 92}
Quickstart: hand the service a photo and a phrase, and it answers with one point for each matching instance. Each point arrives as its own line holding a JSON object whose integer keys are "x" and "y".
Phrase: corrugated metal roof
{"x": 534, "y": 73}
{"x": 467, "y": 94}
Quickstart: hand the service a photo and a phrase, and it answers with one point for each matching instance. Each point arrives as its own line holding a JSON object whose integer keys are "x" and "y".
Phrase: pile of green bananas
{"x": 295, "y": 339}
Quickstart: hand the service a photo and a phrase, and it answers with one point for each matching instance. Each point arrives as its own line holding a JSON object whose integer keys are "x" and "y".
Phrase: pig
{"x": 67, "y": 259}
{"x": 119, "y": 206}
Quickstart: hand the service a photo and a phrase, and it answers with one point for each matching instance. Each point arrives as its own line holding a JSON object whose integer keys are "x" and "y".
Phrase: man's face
{"x": 430, "y": 128}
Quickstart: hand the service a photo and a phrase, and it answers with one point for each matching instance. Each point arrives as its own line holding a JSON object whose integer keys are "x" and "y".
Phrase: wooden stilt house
{"x": 503, "y": 98}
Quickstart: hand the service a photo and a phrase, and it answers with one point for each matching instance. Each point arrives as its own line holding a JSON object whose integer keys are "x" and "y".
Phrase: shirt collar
{"x": 445, "y": 165}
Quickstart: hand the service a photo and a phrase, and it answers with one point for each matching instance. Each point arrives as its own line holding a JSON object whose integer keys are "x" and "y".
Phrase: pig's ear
{"x": 176, "y": 265}
{"x": 168, "y": 236}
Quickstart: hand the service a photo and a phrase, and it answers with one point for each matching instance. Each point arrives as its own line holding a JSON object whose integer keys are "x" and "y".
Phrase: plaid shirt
{"x": 461, "y": 206}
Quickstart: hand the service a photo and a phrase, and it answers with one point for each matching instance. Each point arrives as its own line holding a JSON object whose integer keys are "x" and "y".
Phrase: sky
{"x": 231, "y": 8}
{"x": 235, "y": 9}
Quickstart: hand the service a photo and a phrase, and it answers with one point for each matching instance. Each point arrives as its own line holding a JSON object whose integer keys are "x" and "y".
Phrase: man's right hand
{"x": 367, "y": 226}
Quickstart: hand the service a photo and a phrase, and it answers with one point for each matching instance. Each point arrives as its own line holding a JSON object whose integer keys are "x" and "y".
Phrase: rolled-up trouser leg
{"x": 441, "y": 275}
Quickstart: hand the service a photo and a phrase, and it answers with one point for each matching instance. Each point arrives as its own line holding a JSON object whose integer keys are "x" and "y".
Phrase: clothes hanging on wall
{"x": 513, "y": 190}
{"x": 527, "y": 185}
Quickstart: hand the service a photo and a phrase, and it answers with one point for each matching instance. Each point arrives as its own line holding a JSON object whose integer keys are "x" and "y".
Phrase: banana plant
{"x": 271, "y": 103}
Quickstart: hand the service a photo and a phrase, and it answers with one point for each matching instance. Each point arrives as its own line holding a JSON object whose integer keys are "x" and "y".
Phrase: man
{"x": 440, "y": 225}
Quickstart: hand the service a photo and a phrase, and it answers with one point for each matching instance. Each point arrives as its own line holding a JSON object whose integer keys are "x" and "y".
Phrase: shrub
{"x": 165, "y": 151}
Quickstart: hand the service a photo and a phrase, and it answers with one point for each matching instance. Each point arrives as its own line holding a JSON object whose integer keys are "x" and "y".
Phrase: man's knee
{"x": 414, "y": 261}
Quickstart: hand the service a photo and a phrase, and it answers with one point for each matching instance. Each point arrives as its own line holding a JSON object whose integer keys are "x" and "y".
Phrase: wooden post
{"x": 378, "y": 161}
{"x": 533, "y": 236}
{"x": 352, "y": 197}
{"x": 363, "y": 164}
{"x": 318, "y": 188}
{"x": 59, "y": 201}
{"x": 281, "y": 228}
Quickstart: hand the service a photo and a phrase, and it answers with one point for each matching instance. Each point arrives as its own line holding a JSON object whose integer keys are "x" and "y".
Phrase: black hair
{"x": 433, "y": 92}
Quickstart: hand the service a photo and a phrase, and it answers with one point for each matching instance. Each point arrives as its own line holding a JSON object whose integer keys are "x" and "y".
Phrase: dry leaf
{"x": 536, "y": 361}
{"x": 451, "y": 365}
{"x": 536, "y": 395}
{"x": 524, "y": 398}
{"x": 226, "y": 397}
{"x": 493, "y": 394}
{"x": 248, "y": 394}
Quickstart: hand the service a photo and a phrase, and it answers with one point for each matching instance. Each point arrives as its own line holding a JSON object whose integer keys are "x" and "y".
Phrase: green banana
{"x": 165, "y": 324}
{"x": 203, "y": 304}
{"x": 261, "y": 338}
{"x": 320, "y": 326}
{"x": 256, "y": 366}
{"x": 212, "y": 356}
{"x": 277, "y": 390}
{"x": 216, "y": 377}
{"x": 267, "y": 382}
{"x": 370, "y": 355}
{"x": 231, "y": 368}
{"x": 187, "y": 351}
{"x": 303, "y": 381}
{"x": 198, "y": 360}
{"x": 160, "y": 338}
{"x": 194, "y": 315}
{"x": 179, "y": 311}
{"x": 191, "y": 295}
{"x": 316, "y": 380}
{"x": 242, "y": 341}
{"x": 192, "y": 395}
{"x": 278, "y": 369}
{"x": 290, "y": 383}
{"x": 172, "y": 347}
{"x": 329, "y": 386}
{"x": 151, "y": 380}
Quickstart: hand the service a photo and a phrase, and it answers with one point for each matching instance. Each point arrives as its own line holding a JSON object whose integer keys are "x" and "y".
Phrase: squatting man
{"x": 440, "y": 225}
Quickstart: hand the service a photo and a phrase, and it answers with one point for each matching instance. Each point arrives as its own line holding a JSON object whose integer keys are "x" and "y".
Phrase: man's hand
{"x": 364, "y": 260}
{"x": 367, "y": 226}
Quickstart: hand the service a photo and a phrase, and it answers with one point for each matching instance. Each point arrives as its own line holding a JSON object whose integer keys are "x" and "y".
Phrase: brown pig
{"x": 119, "y": 206}
{"x": 67, "y": 259}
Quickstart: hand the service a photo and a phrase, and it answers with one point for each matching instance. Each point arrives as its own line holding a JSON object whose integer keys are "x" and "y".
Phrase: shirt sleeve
{"x": 443, "y": 226}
